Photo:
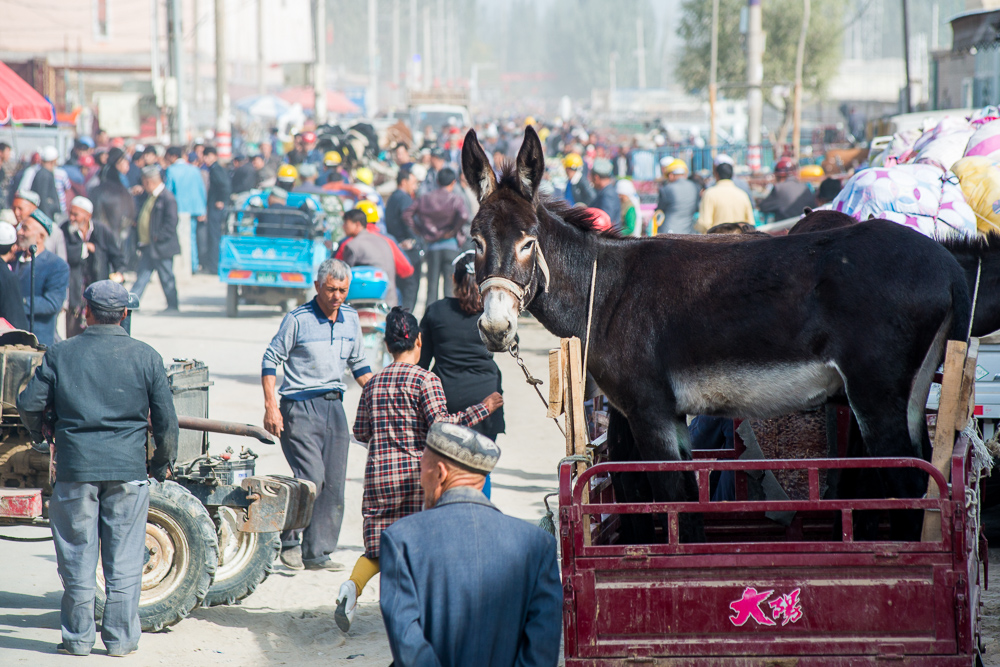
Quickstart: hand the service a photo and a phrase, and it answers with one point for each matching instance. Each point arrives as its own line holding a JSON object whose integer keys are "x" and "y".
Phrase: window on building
{"x": 101, "y": 23}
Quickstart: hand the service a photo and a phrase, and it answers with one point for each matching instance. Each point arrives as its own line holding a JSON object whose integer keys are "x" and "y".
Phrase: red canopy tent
{"x": 20, "y": 103}
{"x": 336, "y": 102}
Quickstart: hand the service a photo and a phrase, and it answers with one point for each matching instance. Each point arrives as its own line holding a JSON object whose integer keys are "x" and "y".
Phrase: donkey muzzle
{"x": 498, "y": 323}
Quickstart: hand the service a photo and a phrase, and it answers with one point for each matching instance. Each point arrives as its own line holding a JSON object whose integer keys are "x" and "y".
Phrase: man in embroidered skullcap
{"x": 462, "y": 583}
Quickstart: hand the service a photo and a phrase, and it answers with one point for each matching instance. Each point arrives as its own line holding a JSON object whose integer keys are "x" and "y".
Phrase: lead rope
{"x": 535, "y": 382}
{"x": 975, "y": 296}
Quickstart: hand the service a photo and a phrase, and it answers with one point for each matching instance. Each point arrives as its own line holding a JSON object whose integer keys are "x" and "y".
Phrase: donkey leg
{"x": 663, "y": 436}
{"x": 629, "y": 487}
{"x": 882, "y": 417}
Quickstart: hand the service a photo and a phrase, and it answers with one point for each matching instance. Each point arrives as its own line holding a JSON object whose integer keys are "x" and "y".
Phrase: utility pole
{"x": 755, "y": 77}
{"x": 260, "y": 47}
{"x": 319, "y": 67}
{"x": 179, "y": 126}
{"x": 428, "y": 71}
{"x": 800, "y": 55}
{"x": 411, "y": 67}
{"x": 612, "y": 81}
{"x": 713, "y": 84}
{"x": 395, "y": 52}
{"x": 154, "y": 66}
{"x": 223, "y": 129}
{"x": 450, "y": 38}
{"x": 195, "y": 61}
{"x": 640, "y": 52}
{"x": 907, "y": 102}
{"x": 441, "y": 53}
{"x": 372, "y": 58}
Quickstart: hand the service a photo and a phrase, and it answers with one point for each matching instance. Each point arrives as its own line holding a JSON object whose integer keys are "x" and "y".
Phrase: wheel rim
{"x": 168, "y": 558}
{"x": 236, "y": 548}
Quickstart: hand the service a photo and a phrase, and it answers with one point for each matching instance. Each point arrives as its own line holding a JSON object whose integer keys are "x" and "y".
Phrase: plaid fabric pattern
{"x": 397, "y": 408}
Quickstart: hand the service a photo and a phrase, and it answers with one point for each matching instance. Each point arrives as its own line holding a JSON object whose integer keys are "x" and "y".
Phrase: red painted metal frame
{"x": 862, "y": 602}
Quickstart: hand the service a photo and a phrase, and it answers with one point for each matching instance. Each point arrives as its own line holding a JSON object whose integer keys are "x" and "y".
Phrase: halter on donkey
{"x": 688, "y": 325}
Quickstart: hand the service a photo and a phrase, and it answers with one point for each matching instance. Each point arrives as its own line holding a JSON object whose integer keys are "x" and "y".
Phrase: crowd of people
{"x": 430, "y": 419}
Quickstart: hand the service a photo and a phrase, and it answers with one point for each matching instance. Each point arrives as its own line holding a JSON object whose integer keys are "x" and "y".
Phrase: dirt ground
{"x": 289, "y": 619}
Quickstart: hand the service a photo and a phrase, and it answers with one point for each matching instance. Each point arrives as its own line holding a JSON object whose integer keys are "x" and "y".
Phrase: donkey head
{"x": 510, "y": 267}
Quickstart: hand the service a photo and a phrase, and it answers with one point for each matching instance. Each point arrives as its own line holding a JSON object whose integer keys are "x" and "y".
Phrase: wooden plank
{"x": 576, "y": 419}
{"x": 944, "y": 431}
{"x": 567, "y": 408}
{"x": 557, "y": 372}
{"x": 968, "y": 401}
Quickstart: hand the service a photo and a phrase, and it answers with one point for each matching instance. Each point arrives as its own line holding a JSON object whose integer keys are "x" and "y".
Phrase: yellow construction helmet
{"x": 573, "y": 161}
{"x": 678, "y": 166}
{"x": 288, "y": 172}
{"x": 369, "y": 209}
{"x": 332, "y": 159}
{"x": 811, "y": 171}
{"x": 365, "y": 175}
{"x": 530, "y": 120}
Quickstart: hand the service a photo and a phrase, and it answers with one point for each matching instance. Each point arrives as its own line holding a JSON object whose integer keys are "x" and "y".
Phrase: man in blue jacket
{"x": 463, "y": 584}
{"x": 51, "y": 280}
{"x": 184, "y": 182}
{"x": 606, "y": 199}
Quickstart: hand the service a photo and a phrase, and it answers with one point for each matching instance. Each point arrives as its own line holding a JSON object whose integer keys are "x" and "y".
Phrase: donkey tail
{"x": 961, "y": 308}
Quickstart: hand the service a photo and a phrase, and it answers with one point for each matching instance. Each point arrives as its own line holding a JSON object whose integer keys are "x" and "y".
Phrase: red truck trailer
{"x": 758, "y": 593}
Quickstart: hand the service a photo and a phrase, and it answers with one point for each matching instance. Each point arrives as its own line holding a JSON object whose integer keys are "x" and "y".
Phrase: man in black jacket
{"x": 157, "y": 227}
{"x": 220, "y": 187}
{"x": 103, "y": 386}
{"x": 400, "y": 200}
{"x": 92, "y": 253}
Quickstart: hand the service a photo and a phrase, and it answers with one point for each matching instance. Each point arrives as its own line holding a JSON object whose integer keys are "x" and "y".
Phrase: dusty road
{"x": 289, "y": 619}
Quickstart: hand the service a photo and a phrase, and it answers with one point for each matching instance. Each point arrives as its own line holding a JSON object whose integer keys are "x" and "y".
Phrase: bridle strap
{"x": 519, "y": 292}
{"x": 503, "y": 283}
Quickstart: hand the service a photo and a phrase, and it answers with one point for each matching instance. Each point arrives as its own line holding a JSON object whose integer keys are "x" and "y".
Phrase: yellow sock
{"x": 364, "y": 570}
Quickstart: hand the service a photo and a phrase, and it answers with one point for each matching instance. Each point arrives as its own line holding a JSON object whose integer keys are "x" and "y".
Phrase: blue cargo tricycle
{"x": 269, "y": 256}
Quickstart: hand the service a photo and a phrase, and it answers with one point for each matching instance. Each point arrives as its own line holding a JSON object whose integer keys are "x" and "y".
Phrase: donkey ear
{"x": 476, "y": 167}
{"x": 807, "y": 211}
{"x": 530, "y": 163}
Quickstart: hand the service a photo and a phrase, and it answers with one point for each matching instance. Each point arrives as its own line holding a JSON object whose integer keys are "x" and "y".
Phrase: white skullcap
{"x": 665, "y": 161}
{"x": 84, "y": 203}
{"x": 722, "y": 158}
{"x": 8, "y": 235}
{"x": 48, "y": 153}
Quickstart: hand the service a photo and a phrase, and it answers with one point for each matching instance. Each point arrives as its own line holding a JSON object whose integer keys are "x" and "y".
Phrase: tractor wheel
{"x": 233, "y": 301}
{"x": 182, "y": 555}
{"x": 245, "y": 559}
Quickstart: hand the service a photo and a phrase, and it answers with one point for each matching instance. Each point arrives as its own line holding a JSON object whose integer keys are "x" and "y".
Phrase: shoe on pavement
{"x": 61, "y": 648}
{"x": 327, "y": 564}
{"x": 347, "y": 603}
{"x": 291, "y": 557}
{"x": 121, "y": 654}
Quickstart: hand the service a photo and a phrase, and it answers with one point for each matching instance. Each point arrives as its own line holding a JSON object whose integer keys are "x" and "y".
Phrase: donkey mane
{"x": 575, "y": 216}
{"x": 978, "y": 245}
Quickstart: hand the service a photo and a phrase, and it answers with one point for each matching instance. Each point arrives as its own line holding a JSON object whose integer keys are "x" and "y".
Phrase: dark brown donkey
{"x": 750, "y": 329}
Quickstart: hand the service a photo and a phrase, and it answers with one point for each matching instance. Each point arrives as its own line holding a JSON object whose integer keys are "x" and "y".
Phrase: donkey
{"x": 734, "y": 329}
{"x": 979, "y": 257}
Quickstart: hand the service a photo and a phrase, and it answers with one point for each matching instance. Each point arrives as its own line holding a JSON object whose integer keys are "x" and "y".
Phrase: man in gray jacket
{"x": 103, "y": 386}
{"x": 315, "y": 343}
{"x": 462, "y": 583}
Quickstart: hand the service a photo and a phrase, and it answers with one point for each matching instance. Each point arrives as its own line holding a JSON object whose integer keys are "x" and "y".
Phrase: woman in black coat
{"x": 451, "y": 340}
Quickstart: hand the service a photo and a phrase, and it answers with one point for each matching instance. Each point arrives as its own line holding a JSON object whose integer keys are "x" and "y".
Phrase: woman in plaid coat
{"x": 397, "y": 407}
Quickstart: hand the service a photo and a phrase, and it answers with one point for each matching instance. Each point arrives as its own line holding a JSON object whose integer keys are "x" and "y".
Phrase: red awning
{"x": 336, "y": 102}
{"x": 21, "y": 103}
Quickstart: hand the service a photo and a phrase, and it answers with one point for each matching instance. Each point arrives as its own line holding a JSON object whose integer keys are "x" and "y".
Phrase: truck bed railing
{"x": 573, "y": 507}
